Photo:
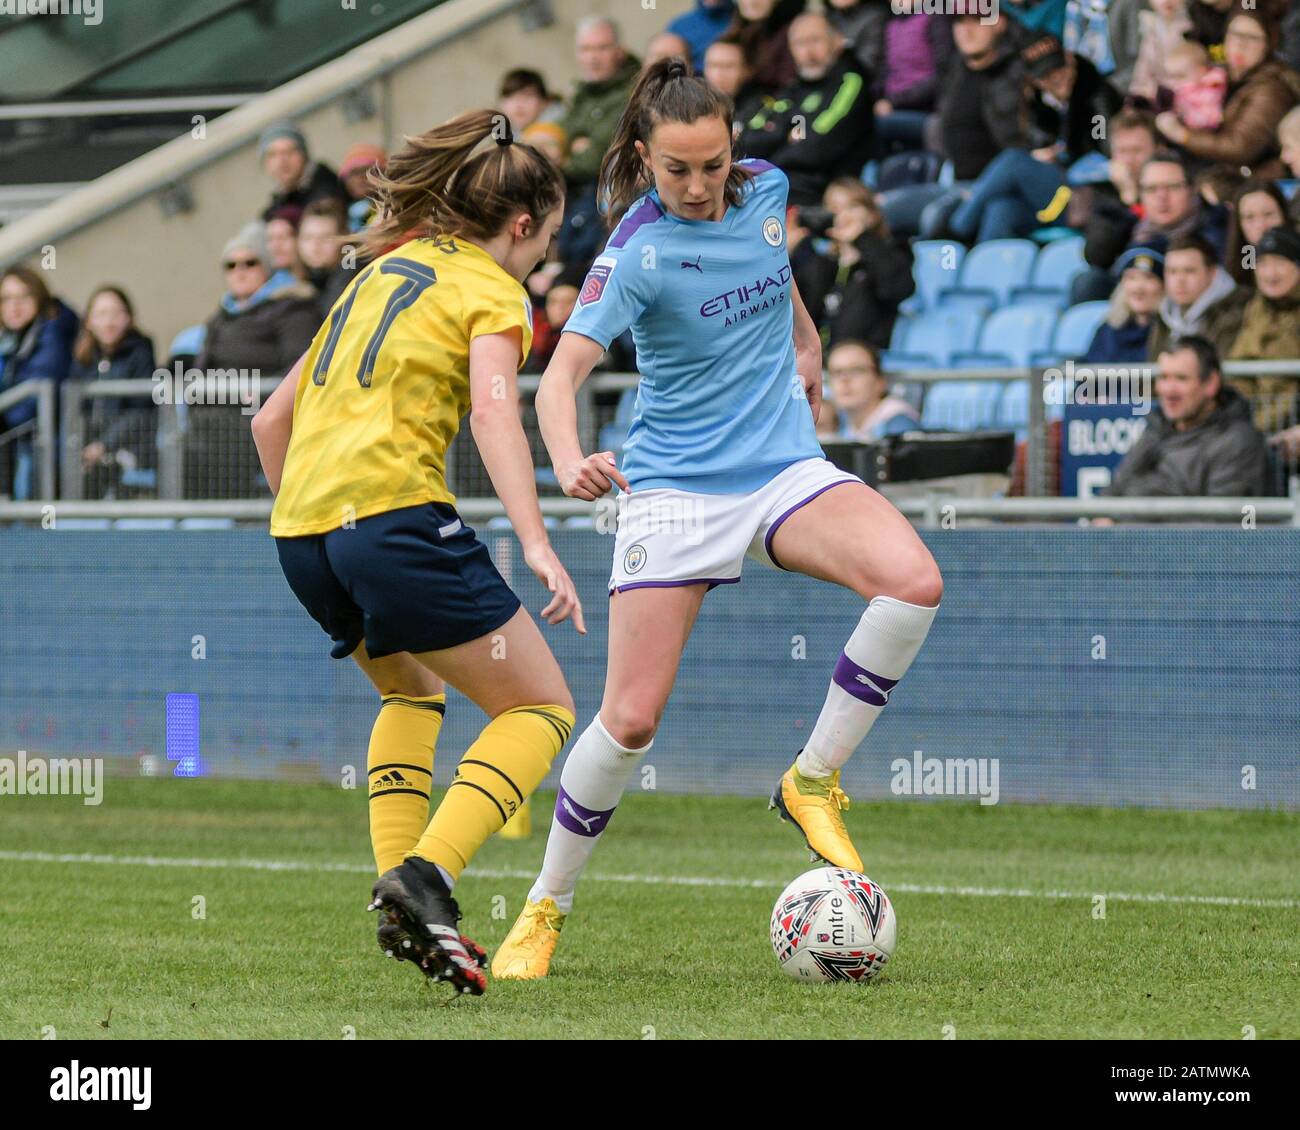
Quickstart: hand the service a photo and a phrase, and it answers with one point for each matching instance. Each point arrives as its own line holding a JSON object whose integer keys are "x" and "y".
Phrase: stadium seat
{"x": 941, "y": 334}
{"x": 960, "y": 406}
{"x": 82, "y": 523}
{"x": 1054, "y": 269}
{"x": 1014, "y": 335}
{"x": 1013, "y": 408}
{"x": 612, "y": 436}
{"x": 579, "y": 522}
{"x": 992, "y": 270}
{"x": 144, "y": 524}
{"x": 1077, "y": 328}
{"x": 935, "y": 264}
{"x": 206, "y": 524}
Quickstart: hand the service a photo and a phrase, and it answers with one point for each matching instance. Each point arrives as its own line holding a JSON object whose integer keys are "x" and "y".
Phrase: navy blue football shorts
{"x": 413, "y": 579}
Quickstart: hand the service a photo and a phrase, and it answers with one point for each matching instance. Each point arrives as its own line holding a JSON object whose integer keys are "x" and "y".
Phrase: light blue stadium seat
{"x": 936, "y": 264}
{"x": 501, "y": 522}
{"x": 1077, "y": 327}
{"x": 1013, "y": 408}
{"x": 81, "y": 523}
{"x": 940, "y": 334}
{"x": 1054, "y": 269}
{"x": 140, "y": 478}
{"x": 144, "y": 524}
{"x": 612, "y": 436}
{"x": 206, "y": 524}
{"x": 992, "y": 270}
{"x": 1013, "y": 335}
{"x": 960, "y": 406}
{"x": 579, "y": 522}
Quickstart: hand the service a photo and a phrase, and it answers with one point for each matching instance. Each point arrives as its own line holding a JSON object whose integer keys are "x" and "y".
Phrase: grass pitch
{"x": 234, "y": 909}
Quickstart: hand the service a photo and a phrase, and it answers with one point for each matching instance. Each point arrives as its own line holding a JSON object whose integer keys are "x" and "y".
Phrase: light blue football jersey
{"x": 720, "y": 408}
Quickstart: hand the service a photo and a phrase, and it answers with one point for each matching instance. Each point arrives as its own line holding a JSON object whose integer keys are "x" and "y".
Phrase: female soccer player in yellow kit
{"x": 354, "y": 444}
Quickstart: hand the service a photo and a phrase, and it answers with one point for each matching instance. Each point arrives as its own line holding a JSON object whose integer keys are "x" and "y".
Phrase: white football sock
{"x": 593, "y": 779}
{"x": 877, "y": 655}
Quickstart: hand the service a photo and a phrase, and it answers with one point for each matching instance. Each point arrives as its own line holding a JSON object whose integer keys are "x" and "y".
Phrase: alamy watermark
{"x": 90, "y": 11}
{"x": 55, "y": 776}
{"x": 1132, "y": 385}
{"x": 945, "y": 776}
{"x": 179, "y": 385}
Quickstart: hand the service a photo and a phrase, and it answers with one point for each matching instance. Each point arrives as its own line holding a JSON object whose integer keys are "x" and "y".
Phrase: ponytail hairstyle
{"x": 436, "y": 185}
{"x": 666, "y": 91}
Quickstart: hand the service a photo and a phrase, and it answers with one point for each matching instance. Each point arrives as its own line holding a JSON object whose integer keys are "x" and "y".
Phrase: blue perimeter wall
{"x": 1201, "y": 674}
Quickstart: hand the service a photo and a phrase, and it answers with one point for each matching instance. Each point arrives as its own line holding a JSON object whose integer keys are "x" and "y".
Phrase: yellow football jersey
{"x": 386, "y": 383}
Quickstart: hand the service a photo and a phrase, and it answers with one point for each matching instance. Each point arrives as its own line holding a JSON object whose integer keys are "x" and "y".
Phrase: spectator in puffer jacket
{"x": 120, "y": 432}
{"x": 297, "y": 179}
{"x": 36, "y": 335}
{"x": 905, "y": 84}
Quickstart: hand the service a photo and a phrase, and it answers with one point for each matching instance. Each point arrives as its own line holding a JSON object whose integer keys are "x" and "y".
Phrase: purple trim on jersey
{"x": 647, "y": 213}
{"x": 579, "y": 819}
{"x": 771, "y": 533}
{"x": 757, "y": 165}
{"x": 861, "y": 683}
{"x": 712, "y": 582}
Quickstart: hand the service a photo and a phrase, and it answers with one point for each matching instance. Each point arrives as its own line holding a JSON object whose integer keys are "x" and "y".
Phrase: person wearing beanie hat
{"x": 1270, "y": 331}
{"x": 356, "y": 165}
{"x": 1125, "y": 335}
{"x": 297, "y": 180}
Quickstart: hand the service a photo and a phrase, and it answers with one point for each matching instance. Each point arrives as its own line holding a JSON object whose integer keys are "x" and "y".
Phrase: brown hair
{"x": 436, "y": 185}
{"x": 666, "y": 91}
{"x": 35, "y": 285}
{"x": 1131, "y": 118}
{"x": 85, "y": 351}
{"x": 1236, "y": 241}
{"x": 862, "y": 194}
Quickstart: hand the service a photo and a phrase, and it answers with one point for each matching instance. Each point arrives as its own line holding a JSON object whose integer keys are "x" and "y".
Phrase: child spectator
{"x": 1161, "y": 30}
{"x": 1198, "y": 88}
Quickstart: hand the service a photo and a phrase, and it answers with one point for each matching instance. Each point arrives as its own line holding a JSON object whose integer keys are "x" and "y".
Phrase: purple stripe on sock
{"x": 579, "y": 820}
{"x": 861, "y": 683}
{"x": 771, "y": 533}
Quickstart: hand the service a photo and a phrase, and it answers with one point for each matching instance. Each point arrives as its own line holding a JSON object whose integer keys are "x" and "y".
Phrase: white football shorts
{"x": 669, "y": 537}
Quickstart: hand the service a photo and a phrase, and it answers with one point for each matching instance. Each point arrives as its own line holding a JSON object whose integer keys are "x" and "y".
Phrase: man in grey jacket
{"x": 1200, "y": 440}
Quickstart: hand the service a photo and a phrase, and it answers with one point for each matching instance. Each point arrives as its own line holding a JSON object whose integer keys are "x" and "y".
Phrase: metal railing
{"x": 42, "y": 434}
{"x": 161, "y": 458}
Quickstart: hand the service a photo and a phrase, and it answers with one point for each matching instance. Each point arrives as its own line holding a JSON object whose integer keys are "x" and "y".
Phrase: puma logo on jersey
{"x": 687, "y": 264}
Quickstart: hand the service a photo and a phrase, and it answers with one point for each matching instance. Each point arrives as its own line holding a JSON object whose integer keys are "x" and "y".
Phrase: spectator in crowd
{"x": 1161, "y": 29}
{"x": 1167, "y": 208}
{"x": 862, "y": 25}
{"x": 763, "y": 26}
{"x": 1262, "y": 89}
{"x": 524, "y": 99}
{"x": 354, "y": 171}
{"x": 983, "y": 110}
{"x": 322, "y": 239}
{"x": 550, "y": 139}
{"x": 255, "y": 331}
{"x": 297, "y": 180}
{"x": 667, "y": 45}
{"x": 1201, "y": 300}
{"x": 36, "y": 336}
{"x": 1198, "y": 88}
{"x": 818, "y": 127}
{"x": 729, "y": 68}
{"x": 867, "y": 410}
{"x": 561, "y": 298}
{"x": 1270, "y": 330}
{"x": 1217, "y": 185}
{"x": 119, "y": 431}
{"x": 607, "y": 73}
{"x": 1288, "y": 138}
{"x": 702, "y": 25}
{"x": 1257, "y": 206}
{"x": 1209, "y": 20}
{"x": 1021, "y": 189}
{"x": 905, "y": 80}
{"x": 1199, "y": 440}
{"x": 1126, "y": 333}
{"x": 282, "y": 246}
{"x": 853, "y": 291}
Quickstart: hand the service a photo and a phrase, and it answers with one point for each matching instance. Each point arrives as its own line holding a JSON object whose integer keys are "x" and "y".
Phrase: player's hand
{"x": 592, "y": 477}
{"x": 541, "y": 559}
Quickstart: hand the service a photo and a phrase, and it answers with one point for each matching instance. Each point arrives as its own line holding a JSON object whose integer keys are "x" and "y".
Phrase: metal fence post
{"x": 72, "y": 485}
{"x": 1036, "y": 452}
{"x": 170, "y": 455}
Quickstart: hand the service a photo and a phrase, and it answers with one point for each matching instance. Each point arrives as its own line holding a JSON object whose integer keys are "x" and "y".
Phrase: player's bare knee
{"x": 631, "y": 725}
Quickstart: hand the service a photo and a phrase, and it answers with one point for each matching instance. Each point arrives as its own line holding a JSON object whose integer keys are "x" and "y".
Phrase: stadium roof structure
{"x": 152, "y": 48}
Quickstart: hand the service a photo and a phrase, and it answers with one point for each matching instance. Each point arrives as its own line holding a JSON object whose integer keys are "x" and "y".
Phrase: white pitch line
{"x": 652, "y": 880}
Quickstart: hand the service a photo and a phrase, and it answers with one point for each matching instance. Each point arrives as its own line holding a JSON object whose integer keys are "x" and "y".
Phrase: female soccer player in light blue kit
{"x": 721, "y": 463}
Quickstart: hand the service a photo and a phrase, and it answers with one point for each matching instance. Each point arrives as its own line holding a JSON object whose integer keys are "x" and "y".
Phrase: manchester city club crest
{"x": 634, "y": 559}
{"x": 773, "y": 231}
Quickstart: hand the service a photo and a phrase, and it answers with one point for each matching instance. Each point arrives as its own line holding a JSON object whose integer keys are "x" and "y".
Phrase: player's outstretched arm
{"x": 273, "y": 425}
{"x": 499, "y": 433}
{"x": 557, "y": 414}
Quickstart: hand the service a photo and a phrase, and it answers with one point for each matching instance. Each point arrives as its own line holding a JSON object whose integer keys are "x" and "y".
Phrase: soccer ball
{"x": 832, "y": 924}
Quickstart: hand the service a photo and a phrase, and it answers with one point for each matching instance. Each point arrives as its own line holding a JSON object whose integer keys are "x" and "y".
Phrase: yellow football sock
{"x": 399, "y": 766}
{"x": 507, "y": 762}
